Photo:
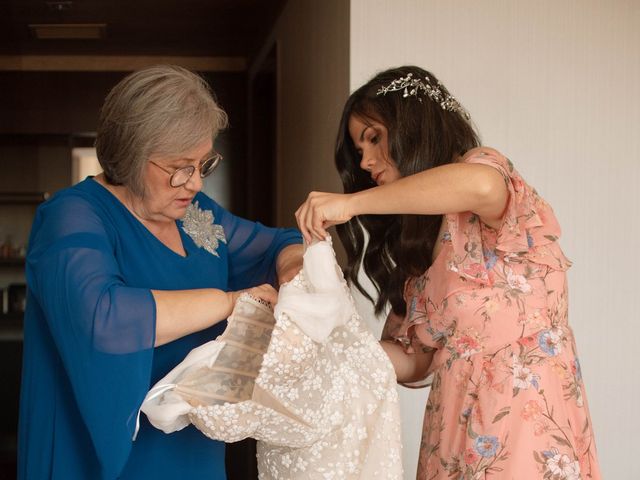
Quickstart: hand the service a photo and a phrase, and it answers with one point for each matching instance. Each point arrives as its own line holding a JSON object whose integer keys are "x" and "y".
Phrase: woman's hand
{"x": 264, "y": 292}
{"x": 409, "y": 368}
{"x": 321, "y": 211}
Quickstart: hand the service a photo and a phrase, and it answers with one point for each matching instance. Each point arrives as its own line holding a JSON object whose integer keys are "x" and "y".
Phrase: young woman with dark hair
{"x": 467, "y": 256}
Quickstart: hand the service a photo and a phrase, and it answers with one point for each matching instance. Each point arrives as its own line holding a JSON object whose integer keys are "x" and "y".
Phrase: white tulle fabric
{"x": 308, "y": 381}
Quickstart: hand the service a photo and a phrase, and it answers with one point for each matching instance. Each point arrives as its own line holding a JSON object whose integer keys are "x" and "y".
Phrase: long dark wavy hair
{"x": 422, "y": 135}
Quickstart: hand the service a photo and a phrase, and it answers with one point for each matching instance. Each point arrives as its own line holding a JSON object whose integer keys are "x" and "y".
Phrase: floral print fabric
{"x": 507, "y": 399}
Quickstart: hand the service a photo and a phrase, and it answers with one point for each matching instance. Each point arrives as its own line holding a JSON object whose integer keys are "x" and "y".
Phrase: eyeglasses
{"x": 180, "y": 176}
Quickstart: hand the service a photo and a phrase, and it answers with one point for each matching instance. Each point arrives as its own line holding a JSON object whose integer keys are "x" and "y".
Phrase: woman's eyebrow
{"x": 207, "y": 155}
{"x": 189, "y": 159}
{"x": 363, "y": 131}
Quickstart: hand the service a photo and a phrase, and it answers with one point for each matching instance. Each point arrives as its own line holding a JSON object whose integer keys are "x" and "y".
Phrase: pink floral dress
{"x": 507, "y": 399}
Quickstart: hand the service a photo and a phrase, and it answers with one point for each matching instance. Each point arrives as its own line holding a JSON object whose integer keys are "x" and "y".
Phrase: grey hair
{"x": 160, "y": 110}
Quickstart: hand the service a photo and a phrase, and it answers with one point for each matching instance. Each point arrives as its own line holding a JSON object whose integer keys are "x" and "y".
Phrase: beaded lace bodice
{"x": 308, "y": 381}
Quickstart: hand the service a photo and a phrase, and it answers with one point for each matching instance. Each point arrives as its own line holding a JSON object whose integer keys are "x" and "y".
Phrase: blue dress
{"x": 89, "y": 332}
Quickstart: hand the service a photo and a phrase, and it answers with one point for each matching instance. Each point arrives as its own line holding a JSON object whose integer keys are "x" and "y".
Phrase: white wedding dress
{"x": 308, "y": 381}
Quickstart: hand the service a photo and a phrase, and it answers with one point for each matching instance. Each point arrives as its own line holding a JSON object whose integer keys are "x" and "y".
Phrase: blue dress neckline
{"x": 187, "y": 242}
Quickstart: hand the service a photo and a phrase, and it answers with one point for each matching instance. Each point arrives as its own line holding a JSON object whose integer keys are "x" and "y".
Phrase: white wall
{"x": 312, "y": 40}
{"x": 555, "y": 85}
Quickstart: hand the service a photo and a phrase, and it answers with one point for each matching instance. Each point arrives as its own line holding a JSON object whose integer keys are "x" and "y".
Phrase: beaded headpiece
{"x": 411, "y": 87}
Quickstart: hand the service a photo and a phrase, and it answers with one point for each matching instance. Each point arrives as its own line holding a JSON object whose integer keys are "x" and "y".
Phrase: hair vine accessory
{"x": 410, "y": 87}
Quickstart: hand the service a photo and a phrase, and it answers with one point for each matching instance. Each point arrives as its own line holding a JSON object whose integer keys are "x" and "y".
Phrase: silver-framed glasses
{"x": 181, "y": 175}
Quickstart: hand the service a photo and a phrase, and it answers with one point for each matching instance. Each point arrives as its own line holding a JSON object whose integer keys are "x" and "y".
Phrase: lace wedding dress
{"x": 308, "y": 381}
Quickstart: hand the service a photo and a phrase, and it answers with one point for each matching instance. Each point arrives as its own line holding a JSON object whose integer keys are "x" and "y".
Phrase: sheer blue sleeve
{"x": 253, "y": 248}
{"x": 104, "y": 330}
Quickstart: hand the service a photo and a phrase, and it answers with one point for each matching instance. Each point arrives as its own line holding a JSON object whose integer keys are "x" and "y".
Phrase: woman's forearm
{"x": 182, "y": 312}
{"x": 457, "y": 187}
{"x": 289, "y": 262}
{"x": 408, "y": 367}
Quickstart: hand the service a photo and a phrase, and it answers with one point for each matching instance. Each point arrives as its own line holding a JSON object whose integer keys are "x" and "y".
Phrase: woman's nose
{"x": 367, "y": 161}
{"x": 194, "y": 183}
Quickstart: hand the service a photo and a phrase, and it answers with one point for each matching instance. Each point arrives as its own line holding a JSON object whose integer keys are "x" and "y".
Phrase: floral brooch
{"x": 198, "y": 224}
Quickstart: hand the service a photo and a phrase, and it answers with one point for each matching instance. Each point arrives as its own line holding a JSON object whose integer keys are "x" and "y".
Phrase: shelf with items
{"x": 11, "y": 327}
{"x": 44, "y": 166}
{"x": 16, "y": 213}
{"x": 13, "y": 303}
{"x": 12, "y": 262}
{"x": 12, "y": 256}
{"x": 23, "y": 198}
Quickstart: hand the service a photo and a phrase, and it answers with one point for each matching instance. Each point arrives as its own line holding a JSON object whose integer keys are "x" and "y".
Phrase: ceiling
{"x": 219, "y": 28}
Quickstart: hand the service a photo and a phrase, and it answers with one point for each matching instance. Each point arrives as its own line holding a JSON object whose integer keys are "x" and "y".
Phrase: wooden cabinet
{"x": 30, "y": 165}
{"x": 16, "y": 211}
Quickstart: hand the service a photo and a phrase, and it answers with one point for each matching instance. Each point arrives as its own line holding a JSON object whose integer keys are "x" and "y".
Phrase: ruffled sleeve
{"x": 253, "y": 248}
{"x": 104, "y": 330}
{"x": 529, "y": 228}
{"x": 529, "y": 232}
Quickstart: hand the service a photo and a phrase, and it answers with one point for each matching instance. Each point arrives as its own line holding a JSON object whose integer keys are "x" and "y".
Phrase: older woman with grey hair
{"x": 127, "y": 272}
